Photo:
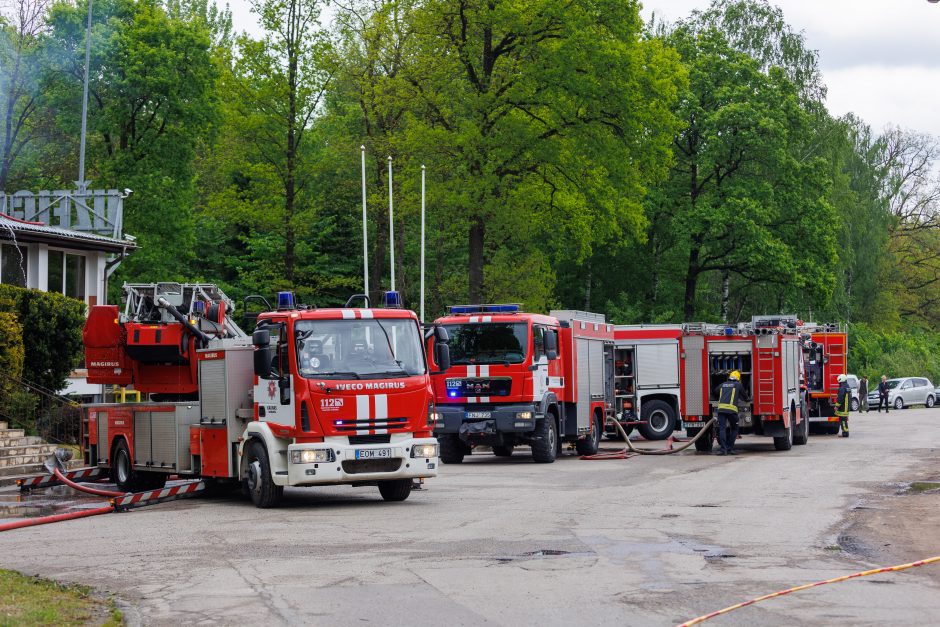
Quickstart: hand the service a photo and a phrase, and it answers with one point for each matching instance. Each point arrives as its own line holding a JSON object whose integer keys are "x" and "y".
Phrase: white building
{"x": 63, "y": 242}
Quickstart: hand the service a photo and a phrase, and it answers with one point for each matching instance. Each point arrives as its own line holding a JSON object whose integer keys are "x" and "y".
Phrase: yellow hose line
{"x": 888, "y": 569}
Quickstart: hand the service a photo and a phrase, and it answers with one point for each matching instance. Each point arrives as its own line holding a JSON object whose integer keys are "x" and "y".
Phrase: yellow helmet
{"x": 735, "y": 375}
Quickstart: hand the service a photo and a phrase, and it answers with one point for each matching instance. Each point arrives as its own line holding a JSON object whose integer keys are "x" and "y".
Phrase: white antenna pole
{"x": 391, "y": 222}
{"x": 422, "y": 243}
{"x": 365, "y": 228}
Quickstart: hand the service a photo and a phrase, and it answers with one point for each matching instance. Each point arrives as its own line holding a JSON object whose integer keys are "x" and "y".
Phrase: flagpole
{"x": 422, "y": 242}
{"x": 365, "y": 228}
{"x": 391, "y": 222}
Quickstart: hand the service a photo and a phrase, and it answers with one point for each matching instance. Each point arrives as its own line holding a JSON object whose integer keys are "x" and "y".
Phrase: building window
{"x": 67, "y": 274}
{"x": 13, "y": 265}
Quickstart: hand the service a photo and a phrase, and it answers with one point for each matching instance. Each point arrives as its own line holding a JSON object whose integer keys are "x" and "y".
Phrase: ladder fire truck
{"x": 313, "y": 397}
{"x": 825, "y": 355}
{"x": 768, "y": 354}
{"x": 646, "y": 379}
{"x": 523, "y": 379}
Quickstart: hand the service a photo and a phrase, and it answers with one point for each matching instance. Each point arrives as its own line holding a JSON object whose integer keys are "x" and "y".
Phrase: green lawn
{"x": 33, "y": 601}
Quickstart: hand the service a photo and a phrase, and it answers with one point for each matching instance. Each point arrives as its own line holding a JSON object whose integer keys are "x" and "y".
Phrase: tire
{"x": 452, "y": 449}
{"x": 590, "y": 444}
{"x": 502, "y": 451}
{"x": 802, "y": 436}
{"x": 929, "y": 402}
{"x": 899, "y": 403}
{"x": 659, "y": 420}
{"x": 832, "y": 428}
{"x": 396, "y": 489}
{"x": 151, "y": 480}
{"x": 785, "y": 442}
{"x": 261, "y": 488}
{"x": 545, "y": 443}
{"x": 705, "y": 443}
{"x": 854, "y": 404}
{"x": 122, "y": 469}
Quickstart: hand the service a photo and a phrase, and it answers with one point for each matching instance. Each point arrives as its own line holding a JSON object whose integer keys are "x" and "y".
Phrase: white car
{"x": 905, "y": 392}
{"x": 854, "y": 401}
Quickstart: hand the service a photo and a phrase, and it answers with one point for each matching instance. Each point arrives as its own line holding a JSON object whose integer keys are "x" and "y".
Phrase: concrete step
{"x": 4, "y": 424}
{"x": 9, "y": 474}
{"x": 25, "y": 460}
{"x": 25, "y": 440}
{"x": 11, "y": 433}
{"x": 27, "y": 449}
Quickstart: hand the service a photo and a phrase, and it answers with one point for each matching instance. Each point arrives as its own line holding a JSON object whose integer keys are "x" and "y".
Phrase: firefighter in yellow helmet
{"x": 843, "y": 398}
{"x": 730, "y": 394}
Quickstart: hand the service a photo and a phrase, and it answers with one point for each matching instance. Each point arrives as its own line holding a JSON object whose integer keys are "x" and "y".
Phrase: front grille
{"x": 360, "y": 466}
{"x": 375, "y": 423}
{"x": 370, "y": 439}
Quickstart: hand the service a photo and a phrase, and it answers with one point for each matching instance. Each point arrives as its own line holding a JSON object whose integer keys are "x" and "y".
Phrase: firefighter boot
{"x": 844, "y": 424}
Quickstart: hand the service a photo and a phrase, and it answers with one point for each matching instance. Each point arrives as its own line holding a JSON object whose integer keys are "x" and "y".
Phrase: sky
{"x": 880, "y": 59}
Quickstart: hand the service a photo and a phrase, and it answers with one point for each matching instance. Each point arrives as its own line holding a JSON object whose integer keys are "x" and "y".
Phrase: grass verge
{"x": 34, "y": 601}
{"x": 923, "y": 486}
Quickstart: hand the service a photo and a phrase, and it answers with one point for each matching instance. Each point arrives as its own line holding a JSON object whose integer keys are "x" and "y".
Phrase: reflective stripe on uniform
{"x": 729, "y": 406}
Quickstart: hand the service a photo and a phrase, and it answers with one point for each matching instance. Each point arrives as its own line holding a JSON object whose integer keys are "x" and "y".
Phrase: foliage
{"x": 52, "y": 333}
{"x": 875, "y": 352}
{"x": 34, "y": 601}
{"x": 11, "y": 365}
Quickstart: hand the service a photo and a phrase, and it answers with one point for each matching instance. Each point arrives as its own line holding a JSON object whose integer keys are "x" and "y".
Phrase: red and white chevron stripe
{"x": 46, "y": 480}
{"x": 142, "y": 498}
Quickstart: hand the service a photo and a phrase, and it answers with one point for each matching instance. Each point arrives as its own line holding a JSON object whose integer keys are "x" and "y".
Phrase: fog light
{"x": 424, "y": 450}
{"x": 311, "y": 456}
{"x": 524, "y": 415}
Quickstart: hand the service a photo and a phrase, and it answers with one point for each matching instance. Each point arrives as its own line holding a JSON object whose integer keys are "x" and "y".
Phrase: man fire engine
{"x": 313, "y": 397}
{"x": 523, "y": 379}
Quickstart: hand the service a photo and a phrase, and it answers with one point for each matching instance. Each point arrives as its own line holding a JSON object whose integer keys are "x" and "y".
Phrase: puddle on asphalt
{"x": 38, "y": 502}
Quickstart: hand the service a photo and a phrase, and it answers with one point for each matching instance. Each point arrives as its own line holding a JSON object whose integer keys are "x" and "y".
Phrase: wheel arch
{"x": 261, "y": 432}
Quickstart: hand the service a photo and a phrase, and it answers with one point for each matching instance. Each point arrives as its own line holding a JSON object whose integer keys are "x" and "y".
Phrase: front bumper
{"x": 485, "y": 419}
{"x": 345, "y": 468}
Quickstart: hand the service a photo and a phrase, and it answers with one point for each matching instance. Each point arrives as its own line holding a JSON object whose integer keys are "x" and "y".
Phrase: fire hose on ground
{"x": 780, "y": 593}
{"x": 623, "y": 454}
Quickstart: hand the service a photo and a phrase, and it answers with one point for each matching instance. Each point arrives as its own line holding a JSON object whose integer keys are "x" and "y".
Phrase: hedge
{"x": 913, "y": 353}
{"x": 51, "y": 331}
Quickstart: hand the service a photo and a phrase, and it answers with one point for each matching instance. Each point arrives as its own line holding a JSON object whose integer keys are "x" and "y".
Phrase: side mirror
{"x": 551, "y": 344}
{"x": 442, "y": 355}
{"x": 261, "y": 339}
{"x": 441, "y": 335}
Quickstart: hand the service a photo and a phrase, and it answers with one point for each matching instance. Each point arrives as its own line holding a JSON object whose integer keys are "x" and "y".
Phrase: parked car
{"x": 854, "y": 401}
{"x": 907, "y": 391}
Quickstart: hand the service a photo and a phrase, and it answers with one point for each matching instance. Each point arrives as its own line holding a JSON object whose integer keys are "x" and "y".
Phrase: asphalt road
{"x": 644, "y": 541}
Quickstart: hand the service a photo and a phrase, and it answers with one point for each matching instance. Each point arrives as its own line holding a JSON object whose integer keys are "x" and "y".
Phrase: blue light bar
{"x": 392, "y": 300}
{"x": 729, "y": 331}
{"x": 285, "y": 300}
{"x": 199, "y": 307}
{"x": 475, "y": 309}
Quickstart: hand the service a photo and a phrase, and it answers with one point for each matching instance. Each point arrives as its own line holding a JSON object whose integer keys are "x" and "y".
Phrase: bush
{"x": 914, "y": 353}
{"x": 51, "y": 333}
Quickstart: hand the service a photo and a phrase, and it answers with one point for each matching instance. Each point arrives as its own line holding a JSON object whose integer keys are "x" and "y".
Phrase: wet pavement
{"x": 643, "y": 541}
{"x": 60, "y": 499}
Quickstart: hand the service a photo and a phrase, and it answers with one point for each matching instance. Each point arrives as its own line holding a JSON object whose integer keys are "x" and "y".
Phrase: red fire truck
{"x": 523, "y": 379}
{"x": 768, "y": 354}
{"x": 646, "y": 379}
{"x": 825, "y": 353}
{"x": 313, "y": 397}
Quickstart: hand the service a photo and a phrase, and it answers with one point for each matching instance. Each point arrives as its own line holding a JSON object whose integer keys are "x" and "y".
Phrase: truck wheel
{"x": 785, "y": 442}
{"x": 396, "y": 489}
{"x": 832, "y": 428}
{"x": 705, "y": 443}
{"x": 502, "y": 451}
{"x": 801, "y": 436}
{"x": 590, "y": 444}
{"x": 659, "y": 420}
{"x": 151, "y": 480}
{"x": 452, "y": 449}
{"x": 122, "y": 469}
{"x": 261, "y": 486}
{"x": 545, "y": 443}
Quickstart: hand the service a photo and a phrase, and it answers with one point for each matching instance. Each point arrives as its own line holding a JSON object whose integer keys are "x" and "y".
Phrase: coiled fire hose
{"x": 865, "y": 573}
{"x": 647, "y": 451}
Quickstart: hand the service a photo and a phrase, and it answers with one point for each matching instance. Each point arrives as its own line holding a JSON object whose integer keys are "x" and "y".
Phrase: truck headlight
{"x": 311, "y": 456}
{"x": 433, "y": 416}
{"x": 524, "y": 415}
{"x": 424, "y": 450}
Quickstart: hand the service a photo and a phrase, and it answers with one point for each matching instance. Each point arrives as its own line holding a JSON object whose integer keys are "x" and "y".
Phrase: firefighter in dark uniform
{"x": 843, "y": 398}
{"x": 729, "y": 393}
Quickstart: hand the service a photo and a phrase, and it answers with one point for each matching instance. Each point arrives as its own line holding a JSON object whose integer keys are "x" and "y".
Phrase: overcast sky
{"x": 880, "y": 58}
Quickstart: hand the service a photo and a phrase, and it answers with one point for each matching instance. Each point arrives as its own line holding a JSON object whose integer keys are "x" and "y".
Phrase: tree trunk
{"x": 475, "y": 274}
{"x": 725, "y": 292}
{"x": 691, "y": 280}
{"x": 587, "y": 287}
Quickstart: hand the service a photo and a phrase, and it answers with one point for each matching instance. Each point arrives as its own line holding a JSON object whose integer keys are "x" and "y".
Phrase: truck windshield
{"x": 359, "y": 349}
{"x": 488, "y": 343}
